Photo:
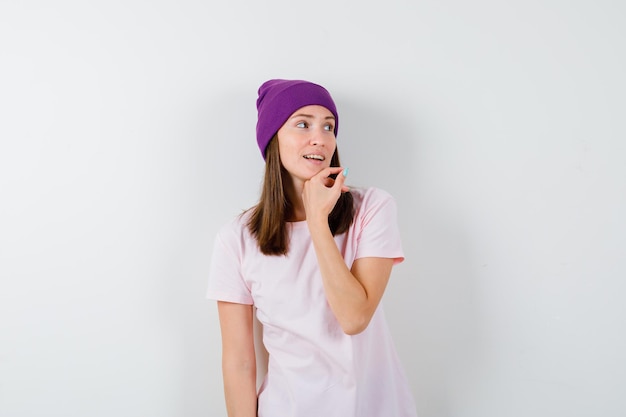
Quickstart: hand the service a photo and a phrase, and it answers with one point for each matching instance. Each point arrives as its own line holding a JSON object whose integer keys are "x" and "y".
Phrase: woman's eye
{"x": 329, "y": 128}
{"x": 302, "y": 125}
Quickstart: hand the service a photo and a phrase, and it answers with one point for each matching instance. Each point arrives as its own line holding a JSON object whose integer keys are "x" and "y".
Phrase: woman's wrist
{"x": 317, "y": 224}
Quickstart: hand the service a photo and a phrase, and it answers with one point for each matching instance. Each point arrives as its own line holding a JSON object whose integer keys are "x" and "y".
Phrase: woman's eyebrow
{"x": 311, "y": 116}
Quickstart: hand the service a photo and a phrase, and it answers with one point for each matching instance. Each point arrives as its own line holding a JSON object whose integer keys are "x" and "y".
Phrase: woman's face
{"x": 306, "y": 142}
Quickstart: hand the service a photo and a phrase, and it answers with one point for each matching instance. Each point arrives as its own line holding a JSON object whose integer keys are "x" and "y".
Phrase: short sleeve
{"x": 379, "y": 234}
{"x": 226, "y": 282}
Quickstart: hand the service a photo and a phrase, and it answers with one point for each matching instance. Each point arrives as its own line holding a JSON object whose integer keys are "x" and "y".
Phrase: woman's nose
{"x": 319, "y": 137}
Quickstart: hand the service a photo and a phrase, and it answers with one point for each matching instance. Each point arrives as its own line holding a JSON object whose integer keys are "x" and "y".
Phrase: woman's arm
{"x": 238, "y": 359}
{"x": 353, "y": 295}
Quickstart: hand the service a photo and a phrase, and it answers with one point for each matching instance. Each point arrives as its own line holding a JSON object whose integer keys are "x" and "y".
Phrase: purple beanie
{"x": 279, "y": 99}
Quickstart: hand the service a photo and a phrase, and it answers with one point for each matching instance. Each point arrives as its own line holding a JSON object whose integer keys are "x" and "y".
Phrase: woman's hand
{"x": 321, "y": 192}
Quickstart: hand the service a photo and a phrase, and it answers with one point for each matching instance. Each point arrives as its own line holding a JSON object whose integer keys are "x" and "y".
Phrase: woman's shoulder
{"x": 372, "y": 203}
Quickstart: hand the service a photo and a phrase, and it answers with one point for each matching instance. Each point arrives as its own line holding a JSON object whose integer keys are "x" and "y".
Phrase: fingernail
{"x": 345, "y": 172}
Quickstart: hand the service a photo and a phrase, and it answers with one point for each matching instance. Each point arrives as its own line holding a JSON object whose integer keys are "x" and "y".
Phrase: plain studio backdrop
{"x": 127, "y": 140}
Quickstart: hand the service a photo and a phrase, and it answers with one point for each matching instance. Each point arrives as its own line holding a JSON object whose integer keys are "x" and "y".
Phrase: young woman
{"x": 313, "y": 258}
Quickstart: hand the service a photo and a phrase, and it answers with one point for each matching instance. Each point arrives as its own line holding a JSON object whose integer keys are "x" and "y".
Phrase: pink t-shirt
{"x": 315, "y": 369}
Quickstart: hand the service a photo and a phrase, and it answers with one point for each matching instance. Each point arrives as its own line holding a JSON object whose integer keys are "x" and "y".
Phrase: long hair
{"x": 268, "y": 220}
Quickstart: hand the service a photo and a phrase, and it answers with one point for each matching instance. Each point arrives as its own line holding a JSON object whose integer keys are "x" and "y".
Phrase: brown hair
{"x": 268, "y": 221}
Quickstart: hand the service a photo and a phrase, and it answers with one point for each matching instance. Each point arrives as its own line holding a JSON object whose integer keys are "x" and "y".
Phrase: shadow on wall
{"x": 227, "y": 170}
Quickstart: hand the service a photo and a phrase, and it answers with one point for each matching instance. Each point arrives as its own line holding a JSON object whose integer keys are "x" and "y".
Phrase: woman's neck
{"x": 294, "y": 194}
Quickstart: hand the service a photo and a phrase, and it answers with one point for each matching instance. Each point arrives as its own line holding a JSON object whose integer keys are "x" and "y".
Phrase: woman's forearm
{"x": 240, "y": 389}
{"x": 238, "y": 359}
{"x": 346, "y": 296}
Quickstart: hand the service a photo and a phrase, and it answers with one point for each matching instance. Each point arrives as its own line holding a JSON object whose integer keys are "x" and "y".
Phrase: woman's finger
{"x": 327, "y": 172}
{"x": 340, "y": 181}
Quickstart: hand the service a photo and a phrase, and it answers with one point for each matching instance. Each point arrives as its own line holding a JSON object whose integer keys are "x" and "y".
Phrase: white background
{"x": 127, "y": 140}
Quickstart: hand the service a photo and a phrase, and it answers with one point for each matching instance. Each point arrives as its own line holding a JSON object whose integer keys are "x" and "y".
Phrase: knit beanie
{"x": 279, "y": 99}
